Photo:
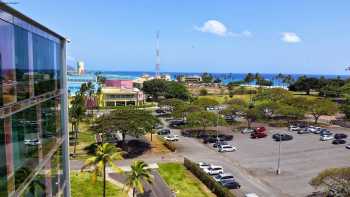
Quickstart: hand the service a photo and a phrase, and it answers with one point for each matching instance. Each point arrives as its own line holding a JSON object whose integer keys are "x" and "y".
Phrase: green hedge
{"x": 214, "y": 186}
{"x": 171, "y": 146}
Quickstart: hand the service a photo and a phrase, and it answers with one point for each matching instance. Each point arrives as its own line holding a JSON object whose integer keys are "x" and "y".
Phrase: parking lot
{"x": 301, "y": 159}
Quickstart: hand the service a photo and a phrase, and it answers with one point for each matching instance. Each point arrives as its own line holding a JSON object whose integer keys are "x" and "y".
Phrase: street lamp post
{"x": 278, "y": 171}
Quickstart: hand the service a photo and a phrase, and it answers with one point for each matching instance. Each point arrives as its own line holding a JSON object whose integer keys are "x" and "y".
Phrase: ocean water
{"x": 224, "y": 77}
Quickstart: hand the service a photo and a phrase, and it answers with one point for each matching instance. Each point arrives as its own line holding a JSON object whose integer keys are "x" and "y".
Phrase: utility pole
{"x": 157, "y": 56}
{"x": 278, "y": 171}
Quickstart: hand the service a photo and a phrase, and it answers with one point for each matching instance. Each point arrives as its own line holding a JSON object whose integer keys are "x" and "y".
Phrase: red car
{"x": 260, "y": 129}
{"x": 258, "y": 135}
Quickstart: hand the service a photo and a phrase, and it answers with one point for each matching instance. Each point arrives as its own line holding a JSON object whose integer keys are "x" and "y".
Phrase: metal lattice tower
{"x": 157, "y": 56}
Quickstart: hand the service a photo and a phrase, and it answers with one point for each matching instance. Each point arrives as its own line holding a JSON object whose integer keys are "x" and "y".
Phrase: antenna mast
{"x": 157, "y": 56}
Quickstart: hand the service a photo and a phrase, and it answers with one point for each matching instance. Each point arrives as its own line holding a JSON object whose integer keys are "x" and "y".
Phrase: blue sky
{"x": 271, "y": 36}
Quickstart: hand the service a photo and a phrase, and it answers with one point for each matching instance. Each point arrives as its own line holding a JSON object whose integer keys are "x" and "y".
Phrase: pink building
{"x": 124, "y": 84}
{"x": 121, "y": 92}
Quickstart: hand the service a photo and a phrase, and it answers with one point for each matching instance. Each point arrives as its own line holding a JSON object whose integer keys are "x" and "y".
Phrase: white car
{"x": 203, "y": 165}
{"x": 247, "y": 130}
{"x": 251, "y": 195}
{"x": 214, "y": 170}
{"x": 224, "y": 177}
{"x": 227, "y": 148}
{"x": 326, "y": 137}
{"x": 294, "y": 128}
{"x": 172, "y": 138}
{"x": 32, "y": 142}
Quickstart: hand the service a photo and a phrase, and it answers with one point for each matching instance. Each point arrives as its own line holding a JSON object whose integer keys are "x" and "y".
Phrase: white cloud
{"x": 290, "y": 37}
{"x": 218, "y": 28}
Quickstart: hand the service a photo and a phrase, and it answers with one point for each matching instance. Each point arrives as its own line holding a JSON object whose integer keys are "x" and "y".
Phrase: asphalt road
{"x": 197, "y": 151}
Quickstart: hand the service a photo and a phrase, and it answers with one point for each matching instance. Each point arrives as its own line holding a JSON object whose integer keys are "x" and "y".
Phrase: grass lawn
{"x": 82, "y": 186}
{"x": 85, "y": 138}
{"x": 182, "y": 181}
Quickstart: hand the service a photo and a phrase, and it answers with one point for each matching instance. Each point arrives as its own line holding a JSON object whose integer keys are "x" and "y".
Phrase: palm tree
{"x": 105, "y": 155}
{"x": 76, "y": 113}
{"x": 138, "y": 175}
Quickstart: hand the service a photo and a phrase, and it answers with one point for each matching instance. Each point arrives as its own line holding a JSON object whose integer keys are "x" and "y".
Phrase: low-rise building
{"x": 191, "y": 79}
{"x": 120, "y": 93}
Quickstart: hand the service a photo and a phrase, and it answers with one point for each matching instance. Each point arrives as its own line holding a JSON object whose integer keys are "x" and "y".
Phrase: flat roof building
{"x": 33, "y": 108}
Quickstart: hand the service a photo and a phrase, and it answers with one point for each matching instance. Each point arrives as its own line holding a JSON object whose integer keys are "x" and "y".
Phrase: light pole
{"x": 278, "y": 171}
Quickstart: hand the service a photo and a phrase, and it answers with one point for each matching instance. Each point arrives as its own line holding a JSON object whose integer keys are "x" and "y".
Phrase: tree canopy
{"x": 205, "y": 102}
{"x": 134, "y": 122}
{"x": 167, "y": 89}
{"x": 204, "y": 119}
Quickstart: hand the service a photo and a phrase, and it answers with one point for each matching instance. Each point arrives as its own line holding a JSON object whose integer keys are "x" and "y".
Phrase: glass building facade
{"x": 33, "y": 108}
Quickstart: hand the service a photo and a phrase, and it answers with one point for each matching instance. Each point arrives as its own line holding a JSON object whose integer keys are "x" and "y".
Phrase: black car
{"x": 230, "y": 184}
{"x": 209, "y": 140}
{"x": 176, "y": 123}
{"x": 164, "y": 132}
{"x": 282, "y": 137}
{"x": 340, "y": 136}
{"x": 338, "y": 141}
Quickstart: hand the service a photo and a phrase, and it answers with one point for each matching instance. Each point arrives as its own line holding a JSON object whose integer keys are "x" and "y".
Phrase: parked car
{"x": 171, "y": 138}
{"x": 247, "y": 130}
{"x": 230, "y": 184}
{"x": 158, "y": 126}
{"x": 340, "y": 136}
{"x": 219, "y": 143}
{"x": 303, "y": 131}
{"x": 203, "y": 165}
{"x": 176, "y": 123}
{"x": 258, "y": 135}
{"x": 282, "y": 137}
{"x": 210, "y": 140}
{"x": 325, "y": 132}
{"x": 223, "y": 177}
{"x": 227, "y": 148}
{"x": 226, "y": 137}
{"x": 32, "y": 142}
{"x": 294, "y": 128}
{"x": 260, "y": 129}
{"x": 214, "y": 170}
{"x": 326, "y": 137}
{"x": 163, "y": 132}
{"x": 347, "y": 146}
{"x": 338, "y": 141}
{"x": 251, "y": 195}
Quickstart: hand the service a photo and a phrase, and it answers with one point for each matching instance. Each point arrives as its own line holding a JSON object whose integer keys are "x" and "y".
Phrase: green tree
{"x": 138, "y": 175}
{"x": 155, "y": 88}
{"x": 320, "y": 107}
{"x": 333, "y": 179}
{"x": 134, "y": 122}
{"x": 105, "y": 155}
{"x": 76, "y": 114}
{"x": 249, "y": 78}
{"x": 273, "y": 95}
{"x": 205, "y": 102}
{"x": 203, "y": 92}
{"x": 176, "y": 90}
{"x": 204, "y": 119}
{"x": 290, "y": 112}
{"x": 207, "y": 78}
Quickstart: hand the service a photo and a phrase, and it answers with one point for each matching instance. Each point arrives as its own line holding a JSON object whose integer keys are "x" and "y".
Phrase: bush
{"x": 169, "y": 145}
{"x": 214, "y": 186}
{"x": 203, "y": 92}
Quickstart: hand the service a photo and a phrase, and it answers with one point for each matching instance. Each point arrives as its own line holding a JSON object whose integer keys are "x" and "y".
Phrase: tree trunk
{"x": 316, "y": 119}
{"x": 151, "y": 136}
{"x": 104, "y": 180}
{"x": 249, "y": 123}
{"x": 133, "y": 192}
{"x": 75, "y": 138}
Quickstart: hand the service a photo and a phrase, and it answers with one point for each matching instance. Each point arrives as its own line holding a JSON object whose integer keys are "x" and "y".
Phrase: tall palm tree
{"x": 105, "y": 155}
{"x": 76, "y": 113}
{"x": 138, "y": 175}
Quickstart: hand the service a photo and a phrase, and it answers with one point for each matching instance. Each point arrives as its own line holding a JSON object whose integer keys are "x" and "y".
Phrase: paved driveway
{"x": 158, "y": 189}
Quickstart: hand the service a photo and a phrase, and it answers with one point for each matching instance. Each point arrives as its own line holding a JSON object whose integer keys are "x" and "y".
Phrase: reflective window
{"x": 25, "y": 142}
{"x": 22, "y": 63}
{"x": 37, "y": 187}
{"x": 49, "y": 129}
{"x": 55, "y": 161}
{"x": 3, "y": 168}
{"x": 43, "y": 62}
{"x": 7, "y": 71}
{"x": 58, "y": 64}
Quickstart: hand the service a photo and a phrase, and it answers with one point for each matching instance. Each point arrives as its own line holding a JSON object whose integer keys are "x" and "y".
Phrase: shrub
{"x": 203, "y": 92}
{"x": 214, "y": 186}
{"x": 169, "y": 145}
